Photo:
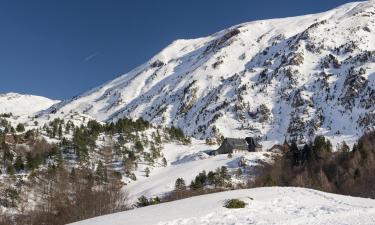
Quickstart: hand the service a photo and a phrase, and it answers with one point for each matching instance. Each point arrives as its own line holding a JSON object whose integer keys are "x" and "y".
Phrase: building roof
{"x": 237, "y": 143}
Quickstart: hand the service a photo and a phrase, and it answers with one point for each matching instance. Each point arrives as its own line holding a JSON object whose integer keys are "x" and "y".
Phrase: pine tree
{"x": 345, "y": 150}
{"x": 142, "y": 201}
{"x": 10, "y": 170}
{"x": 164, "y": 161}
{"x": 72, "y": 176}
{"x": 180, "y": 184}
{"x": 7, "y": 155}
{"x": 138, "y": 146}
{"x": 100, "y": 173}
{"x": 121, "y": 140}
{"x": 147, "y": 172}
{"x": 60, "y": 131}
{"x": 239, "y": 172}
{"x": 296, "y": 153}
{"x": 20, "y": 127}
{"x": 18, "y": 165}
{"x": 13, "y": 195}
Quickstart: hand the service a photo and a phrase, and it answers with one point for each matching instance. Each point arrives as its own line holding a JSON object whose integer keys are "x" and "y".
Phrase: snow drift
{"x": 274, "y": 205}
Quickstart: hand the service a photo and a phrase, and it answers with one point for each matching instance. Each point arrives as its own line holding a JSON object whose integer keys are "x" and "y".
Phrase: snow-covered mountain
{"x": 21, "y": 105}
{"x": 279, "y": 78}
{"x": 274, "y": 205}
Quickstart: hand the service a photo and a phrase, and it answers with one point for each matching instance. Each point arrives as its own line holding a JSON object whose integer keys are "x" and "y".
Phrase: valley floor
{"x": 273, "y": 205}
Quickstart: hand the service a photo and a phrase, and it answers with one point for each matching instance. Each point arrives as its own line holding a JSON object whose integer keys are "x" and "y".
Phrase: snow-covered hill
{"x": 20, "y": 105}
{"x": 292, "y": 77}
{"x": 274, "y": 205}
{"x": 187, "y": 161}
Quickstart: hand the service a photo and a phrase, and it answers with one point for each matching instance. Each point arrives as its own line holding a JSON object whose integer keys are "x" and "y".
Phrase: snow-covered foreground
{"x": 274, "y": 205}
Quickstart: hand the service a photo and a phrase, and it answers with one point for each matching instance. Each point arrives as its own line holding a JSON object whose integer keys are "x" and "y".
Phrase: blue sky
{"x": 59, "y": 49}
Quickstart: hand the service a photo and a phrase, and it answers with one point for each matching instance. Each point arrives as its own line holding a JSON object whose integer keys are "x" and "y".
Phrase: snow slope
{"x": 186, "y": 161}
{"x": 292, "y": 77}
{"x": 274, "y": 205}
{"x": 20, "y": 105}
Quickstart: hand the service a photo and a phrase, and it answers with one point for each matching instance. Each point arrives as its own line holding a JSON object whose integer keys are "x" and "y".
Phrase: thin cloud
{"x": 90, "y": 57}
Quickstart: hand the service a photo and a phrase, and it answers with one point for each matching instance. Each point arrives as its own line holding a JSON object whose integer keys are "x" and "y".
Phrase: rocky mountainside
{"x": 280, "y": 78}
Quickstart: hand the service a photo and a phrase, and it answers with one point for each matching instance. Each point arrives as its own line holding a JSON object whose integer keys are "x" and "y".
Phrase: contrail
{"x": 90, "y": 57}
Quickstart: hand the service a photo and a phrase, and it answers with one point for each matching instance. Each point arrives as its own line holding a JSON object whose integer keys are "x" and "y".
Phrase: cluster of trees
{"x": 68, "y": 196}
{"x": 218, "y": 178}
{"x": 84, "y": 140}
{"x": 6, "y": 115}
{"x": 54, "y": 128}
{"x": 144, "y": 201}
{"x": 315, "y": 165}
{"x": 95, "y": 188}
{"x": 126, "y": 125}
{"x": 178, "y": 135}
{"x": 16, "y": 160}
{"x": 203, "y": 183}
{"x": 7, "y": 127}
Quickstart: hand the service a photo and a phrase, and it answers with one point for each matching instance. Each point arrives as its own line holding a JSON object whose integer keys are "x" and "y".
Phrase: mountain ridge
{"x": 279, "y": 78}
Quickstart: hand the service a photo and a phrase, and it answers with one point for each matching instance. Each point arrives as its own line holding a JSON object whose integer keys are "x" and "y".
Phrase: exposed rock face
{"x": 282, "y": 78}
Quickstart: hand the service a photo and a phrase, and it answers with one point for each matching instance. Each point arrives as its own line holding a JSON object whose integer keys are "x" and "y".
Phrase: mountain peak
{"x": 278, "y": 78}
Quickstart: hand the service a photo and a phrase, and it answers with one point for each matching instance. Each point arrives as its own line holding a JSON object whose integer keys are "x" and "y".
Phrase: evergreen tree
{"x": 138, "y": 145}
{"x": 10, "y": 170}
{"x": 296, "y": 153}
{"x": 142, "y": 201}
{"x": 60, "y": 133}
{"x": 224, "y": 173}
{"x": 344, "y": 150}
{"x": 322, "y": 146}
{"x": 154, "y": 201}
{"x": 73, "y": 176}
{"x": 18, "y": 165}
{"x": 100, "y": 173}
{"x": 147, "y": 172}
{"x": 200, "y": 181}
{"x": 31, "y": 162}
{"x": 121, "y": 140}
{"x": 211, "y": 176}
{"x": 20, "y": 127}
{"x": 180, "y": 184}
{"x": 13, "y": 195}
{"x": 239, "y": 172}
{"x": 7, "y": 155}
{"x": 164, "y": 161}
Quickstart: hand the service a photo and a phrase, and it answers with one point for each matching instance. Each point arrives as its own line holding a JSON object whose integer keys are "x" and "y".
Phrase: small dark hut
{"x": 238, "y": 145}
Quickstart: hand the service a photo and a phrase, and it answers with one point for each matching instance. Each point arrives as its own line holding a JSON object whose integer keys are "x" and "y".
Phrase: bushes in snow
{"x": 144, "y": 201}
{"x": 234, "y": 204}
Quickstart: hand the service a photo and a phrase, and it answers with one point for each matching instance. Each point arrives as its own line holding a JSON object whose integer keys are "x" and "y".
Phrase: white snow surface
{"x": 273, "y": 205}
{"x": 217, "y": 85}
{"x": 21, "y": 105}
{"x": 186, "y": 161}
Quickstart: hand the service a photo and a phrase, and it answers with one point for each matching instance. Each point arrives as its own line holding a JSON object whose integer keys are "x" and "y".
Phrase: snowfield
{"x": 273, "y": 205}
{"x": 187, "y": 161}
{"x": 20, "y": 105}
{"x": 23, "y": 108}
